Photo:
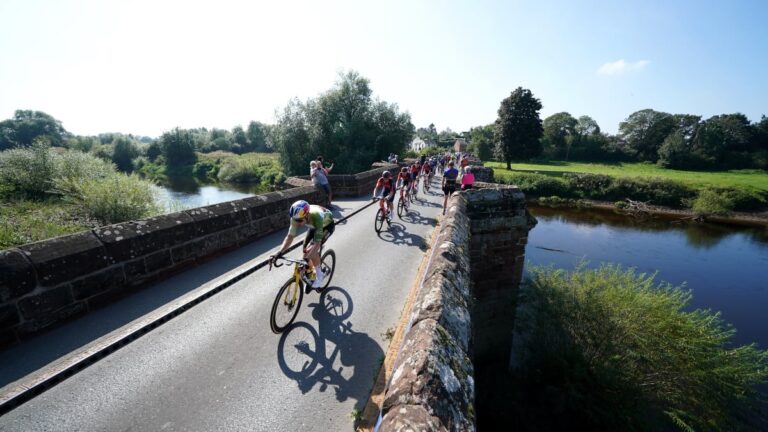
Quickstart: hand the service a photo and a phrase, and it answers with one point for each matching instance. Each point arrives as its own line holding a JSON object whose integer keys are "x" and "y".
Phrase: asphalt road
{"x": 218, "y": 366}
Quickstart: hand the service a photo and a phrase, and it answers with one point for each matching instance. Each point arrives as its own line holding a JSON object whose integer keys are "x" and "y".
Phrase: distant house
{"x": 460, "y": 145}
{"x": 418, "y": 144}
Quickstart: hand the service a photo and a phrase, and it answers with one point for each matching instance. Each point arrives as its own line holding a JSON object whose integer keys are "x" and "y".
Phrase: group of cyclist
{"x": 320, "y": 220}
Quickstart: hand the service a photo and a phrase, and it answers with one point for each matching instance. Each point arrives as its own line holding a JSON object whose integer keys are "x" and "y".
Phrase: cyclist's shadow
{"x": 347, "y": 364}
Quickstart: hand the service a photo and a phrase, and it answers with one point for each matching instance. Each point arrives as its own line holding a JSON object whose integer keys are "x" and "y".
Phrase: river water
{"x": 726, "y": 267}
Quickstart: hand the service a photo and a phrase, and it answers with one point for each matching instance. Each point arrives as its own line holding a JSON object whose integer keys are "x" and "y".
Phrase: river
{"x": 726, "y": 267}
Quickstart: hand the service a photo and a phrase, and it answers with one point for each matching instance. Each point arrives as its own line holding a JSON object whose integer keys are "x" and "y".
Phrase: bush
{"x": 608, "y": 349}
{"x": 28, "y": 171}
{"x": 535, "y": 184}
{"x": 245, "y": 169}
{"x": 716, "y": 201}
{"x": 117, "y": 198}
{"x": 654, "y": 190}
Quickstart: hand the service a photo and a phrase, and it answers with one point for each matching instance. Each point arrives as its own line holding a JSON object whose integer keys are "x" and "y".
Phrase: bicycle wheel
{"x": 426, "y": 185}
{"x": 400, "y": 208}
{"x": 379, "y": 221}
{"x": 286, "y": 306}
{"x": 328, "y": 264}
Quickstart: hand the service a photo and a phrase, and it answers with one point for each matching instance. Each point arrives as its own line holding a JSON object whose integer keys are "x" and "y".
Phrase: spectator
{"x": 468, "y": 179}
{"x": 319, "y": 179}
{"x": 326, "y": 171}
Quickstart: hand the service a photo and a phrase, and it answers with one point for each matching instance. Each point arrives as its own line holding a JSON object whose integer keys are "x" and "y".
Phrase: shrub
{"x": 612, "y": 350}
{"x": 250, "y": 170}
{"x": 656, "y": 190}
{"x": 114, "y": 199}
{"x": 588, "y": 185}
{"x": 28, "y": 171}
{"x": 535, "y": 184}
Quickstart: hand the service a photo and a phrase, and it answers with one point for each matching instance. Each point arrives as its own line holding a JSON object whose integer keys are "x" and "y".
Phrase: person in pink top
{"x": 468, "y": 179}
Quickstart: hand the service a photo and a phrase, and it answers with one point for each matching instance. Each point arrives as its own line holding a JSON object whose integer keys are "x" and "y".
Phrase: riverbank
{"x": 753, "y": 219}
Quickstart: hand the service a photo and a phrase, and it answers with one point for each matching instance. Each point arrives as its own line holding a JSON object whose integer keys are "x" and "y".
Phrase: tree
{"x": 257, "y": 137}
{"x": 644, "y": 131}
{"x": 481, "y": 141}
{"x": 178, "y": 147}
{"x": 344, "y": 122}
{"x": 240, "y": 140}
{"x": 27, "y": 125}
{"x": 559, "y": 131}
{"x": 722, "y": 136}
{"x": 123, "y": 152}
{"x": 518, "y": 128}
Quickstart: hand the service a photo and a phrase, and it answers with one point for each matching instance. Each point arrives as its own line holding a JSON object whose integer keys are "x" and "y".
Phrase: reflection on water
{"x": 725, "y": 266}
{"x": 187, "y": 192}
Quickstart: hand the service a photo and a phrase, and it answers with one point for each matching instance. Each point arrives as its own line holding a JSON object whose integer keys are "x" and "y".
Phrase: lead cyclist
{"x": 320, "y": 226}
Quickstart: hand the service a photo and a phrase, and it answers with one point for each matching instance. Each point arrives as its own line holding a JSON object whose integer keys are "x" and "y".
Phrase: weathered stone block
{"x": 62, "y": 259}
{"x": 433, "y": 371}
{"x": 17, "y": 277}
{"x": 129, "y": 240}
{"x": 44, "y": 305}
{"x": 97, "y": 283}
{"x": 410, "y": 418}
{"x": 9, "y": 316}
{"x": 134, "y": 269}
{"x": 158, "y": 261}
{"x": 440, "y": 299}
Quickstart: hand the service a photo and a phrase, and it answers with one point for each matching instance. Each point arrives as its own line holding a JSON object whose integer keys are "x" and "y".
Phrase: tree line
{"x": 681, "y": 141}
{"x": 345, "y": 124}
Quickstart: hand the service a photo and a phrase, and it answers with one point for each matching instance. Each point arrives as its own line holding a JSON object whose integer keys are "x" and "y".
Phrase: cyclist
{"x": 425, "y": 173}
{"x": 415, "y": 169}
{"x": 449, "y": 182}
{"x": 385, "y": 188}
{"x": 321, "y": 225}
{"x": 404, "y": 182}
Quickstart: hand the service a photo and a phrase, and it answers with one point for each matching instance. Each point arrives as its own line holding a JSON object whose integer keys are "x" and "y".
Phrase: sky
{"x": 146, "y": 67}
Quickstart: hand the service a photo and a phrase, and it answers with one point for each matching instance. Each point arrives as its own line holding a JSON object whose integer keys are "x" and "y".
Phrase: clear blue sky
{"x": 144, "y": 67}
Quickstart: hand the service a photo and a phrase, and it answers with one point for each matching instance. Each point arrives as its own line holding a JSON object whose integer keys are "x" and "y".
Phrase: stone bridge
{"x": 462, "y": 315}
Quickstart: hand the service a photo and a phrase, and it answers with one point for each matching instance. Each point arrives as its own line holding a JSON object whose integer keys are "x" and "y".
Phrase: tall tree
{"x": 481, "y": 141}
{"x": 257, "y": 137}
{"x": 644, "y": 131}
{"x": 722, "y": 136}
{"x": 518, "y": 128}
{"x": 559, "y": 130}
{"x": 178, "y": 147}
{"x": 344, "y": 122}
{"x": 124, "y": 150}
{"x": 27, "y": 125}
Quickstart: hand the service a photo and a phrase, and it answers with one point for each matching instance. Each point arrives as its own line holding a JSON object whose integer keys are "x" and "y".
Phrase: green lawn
{"x": 750, "y": 179}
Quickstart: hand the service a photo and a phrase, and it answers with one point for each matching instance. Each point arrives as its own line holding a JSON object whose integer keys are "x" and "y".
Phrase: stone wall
{"x": 462, "y": 307}
{"x": 45, "y": 283}
{"x": 349, "y": 185}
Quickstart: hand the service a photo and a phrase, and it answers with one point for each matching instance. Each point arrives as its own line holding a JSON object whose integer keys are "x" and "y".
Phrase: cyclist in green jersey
{"x": 320, "y": 224}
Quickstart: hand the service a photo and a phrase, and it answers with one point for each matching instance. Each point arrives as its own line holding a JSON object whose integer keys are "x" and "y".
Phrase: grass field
{"x": 748, "y": 179}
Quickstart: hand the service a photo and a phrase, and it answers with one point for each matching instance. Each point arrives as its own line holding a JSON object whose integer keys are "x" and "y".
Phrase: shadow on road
{"x": 396, "y": 234}
{"x": 354, "y": 359}
{"x": 414, "y": 216}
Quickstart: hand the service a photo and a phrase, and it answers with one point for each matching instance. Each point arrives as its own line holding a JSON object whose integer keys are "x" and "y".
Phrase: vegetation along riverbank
{"x": 722, "y": 196}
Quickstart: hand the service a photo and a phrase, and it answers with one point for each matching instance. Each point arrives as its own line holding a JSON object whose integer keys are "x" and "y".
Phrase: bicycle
{"x": 402, "y": 203}
{"x": 288, "y": 299}
{"x": 425, "y": 183}
{"x": 414, "y": 189}
{"x": 381, "y": 214}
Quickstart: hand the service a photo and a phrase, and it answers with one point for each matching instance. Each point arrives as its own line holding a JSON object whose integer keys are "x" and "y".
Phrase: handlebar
{"x": 275, "y": 262}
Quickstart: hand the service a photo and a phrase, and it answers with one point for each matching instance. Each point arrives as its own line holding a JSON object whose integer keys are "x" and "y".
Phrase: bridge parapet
{"x": 463, "y": 315}
{"x": 48, "y": 282}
